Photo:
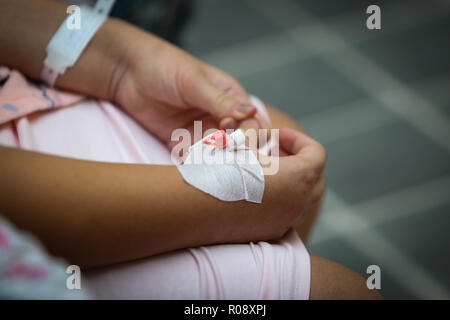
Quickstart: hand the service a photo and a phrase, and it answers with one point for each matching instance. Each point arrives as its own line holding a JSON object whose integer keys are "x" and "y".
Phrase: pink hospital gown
{"x": 42, "y": 119}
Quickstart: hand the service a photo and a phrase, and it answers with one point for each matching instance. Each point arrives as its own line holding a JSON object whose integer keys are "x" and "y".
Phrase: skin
{"x": 94, "y": 213}
{"x": 304, "y": 227}
{"x": 124, "y": 212}
{"x": 333, "y": 281}
{"x": 329, "y": 280}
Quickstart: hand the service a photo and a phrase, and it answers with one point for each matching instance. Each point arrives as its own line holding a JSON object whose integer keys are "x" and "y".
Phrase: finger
{"x": 313, "y": 207}
{"x": 263, "y": 130}
{"x": 208, "y": 123}
{"x": 203, "y": 94}
{"x": 249, "y": 124}
{"x": 228, "y": 123}
{"x": 252, "y": 127}
{"x": 293, "y": 141}
{"x": 226, "y": 83}
{"x": 281, "y": 153}
{"x": 310, "y": 152}
{"x": 318, "y": 190}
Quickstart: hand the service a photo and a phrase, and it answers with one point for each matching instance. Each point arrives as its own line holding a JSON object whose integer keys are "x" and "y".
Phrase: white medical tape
{"x": 67, "y": 44}
{"x": 224, "y": 167}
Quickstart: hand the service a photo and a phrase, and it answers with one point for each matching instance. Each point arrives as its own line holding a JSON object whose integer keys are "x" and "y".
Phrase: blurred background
{"x": 378, "y": 100}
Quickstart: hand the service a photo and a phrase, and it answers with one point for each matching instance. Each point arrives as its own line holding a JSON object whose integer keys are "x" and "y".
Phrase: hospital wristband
{"x": 67, "y": 44}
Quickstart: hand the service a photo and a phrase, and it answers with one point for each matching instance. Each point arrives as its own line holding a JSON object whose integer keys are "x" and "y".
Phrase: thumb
{"x": 219, "y": 103}
{"x": 312, "y": 153}
{"x": 293, "y": 141}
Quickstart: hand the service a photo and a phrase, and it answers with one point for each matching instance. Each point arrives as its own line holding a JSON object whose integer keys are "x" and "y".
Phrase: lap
{"x": 263, "y": 270}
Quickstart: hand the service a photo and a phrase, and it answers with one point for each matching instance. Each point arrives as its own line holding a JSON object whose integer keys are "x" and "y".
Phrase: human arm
{"x": 26, "y": 29}
{"x": 305, "y": 224}
{"x": 158, "y": 84}
{"x": 94, "y": 74}
{"x": 94, "y": 213}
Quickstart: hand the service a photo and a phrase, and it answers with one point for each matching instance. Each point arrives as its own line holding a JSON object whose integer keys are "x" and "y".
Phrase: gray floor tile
{"x": 327, "y": 9}
{"x": 332, "y": 124}
{"x": 251, "y": 57}
{"x": 383, "y": 160}
{"x": 395, "y": 17}
{"x": 436, "y": 91}
{"x": 320, "y": 229}
{"x": 424, "y": 237}
{"x": 416, "y": 53}
{"x": 285, "y": 13}
{"x": 303, "y": 87}
{"x": 386, "y": 154}
{"x": 341, "y": 251}
{"x": 216, "y": 24}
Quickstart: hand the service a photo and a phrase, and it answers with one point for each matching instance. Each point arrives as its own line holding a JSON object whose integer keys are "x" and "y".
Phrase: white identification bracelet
{"x": 69, "y": 41}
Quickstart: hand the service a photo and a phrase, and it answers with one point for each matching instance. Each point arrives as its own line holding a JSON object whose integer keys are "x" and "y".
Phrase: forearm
{"x": 27, "y": 27}
{"x": 94, "y": 213}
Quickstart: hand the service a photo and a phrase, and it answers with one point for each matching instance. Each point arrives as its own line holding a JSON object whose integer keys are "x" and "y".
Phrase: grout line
{"x": 363, "y": 114}
{"x": 392, "y": 260}
{"x": 404, "y": 270}
{"x": 239, "y": 59}
{"x": 362, "y": 120}
{"x": 393, "y": 206}
{"x": 437, "y": 85}
{"x": 408, "y": 201}
{"x": 255, "y": 56}
{"x": 396, "y": 97}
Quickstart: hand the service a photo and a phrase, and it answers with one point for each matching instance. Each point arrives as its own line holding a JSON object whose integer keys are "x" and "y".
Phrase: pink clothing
{"x": 28, "y": 272}
{"x": 97, "y": 130}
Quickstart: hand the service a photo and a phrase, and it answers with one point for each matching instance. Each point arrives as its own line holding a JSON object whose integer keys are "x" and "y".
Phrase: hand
{"x": 297, "y": 186}
{"x": 164, "y": 88}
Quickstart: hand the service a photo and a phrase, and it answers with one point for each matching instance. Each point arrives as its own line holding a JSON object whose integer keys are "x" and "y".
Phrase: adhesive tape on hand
{"x": 227, "y": 171}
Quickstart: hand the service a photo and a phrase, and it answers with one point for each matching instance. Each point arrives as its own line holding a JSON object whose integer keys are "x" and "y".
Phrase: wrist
{"x": 92, "y": 74}
{"x": 136, "y": 50}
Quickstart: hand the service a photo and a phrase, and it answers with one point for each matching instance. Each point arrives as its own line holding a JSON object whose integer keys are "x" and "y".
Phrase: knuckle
{"x": 222, "y": 104}
{"x": 221, "y": 98}
{"x": 325, "y": 154}
{"x": 317, "y": 196}
{"x": 309, "y": 178}
{"x": 322, "y": 159}
{"x": 318, "y": 192}
{"x": 183, "y": 81}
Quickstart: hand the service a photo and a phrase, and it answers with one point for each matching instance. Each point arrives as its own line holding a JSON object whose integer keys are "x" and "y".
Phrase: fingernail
{"x": 228, "y": 123}
{"x": 249, "y": 124}
{"x": 244, "y": 110}
{"x": 3, "y": 73}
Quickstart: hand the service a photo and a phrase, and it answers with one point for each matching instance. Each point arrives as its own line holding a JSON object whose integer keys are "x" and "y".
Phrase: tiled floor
{"x": 378, "y": 100}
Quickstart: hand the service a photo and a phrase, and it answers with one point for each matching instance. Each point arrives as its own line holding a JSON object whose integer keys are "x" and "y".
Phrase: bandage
{"x": 223, "y": 166}
{"x": 68, "y": 43}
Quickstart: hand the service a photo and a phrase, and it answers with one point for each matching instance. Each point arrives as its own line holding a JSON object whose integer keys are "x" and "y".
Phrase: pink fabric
{"x": 97, "y": 130}
{"x": 14, "y": 104}
{"x": 28, "y": 272}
